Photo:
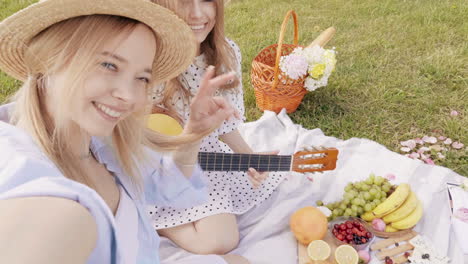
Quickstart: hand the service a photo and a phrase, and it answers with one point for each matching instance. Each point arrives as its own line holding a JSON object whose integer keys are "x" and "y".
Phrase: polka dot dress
{"x": 230, "y": 192}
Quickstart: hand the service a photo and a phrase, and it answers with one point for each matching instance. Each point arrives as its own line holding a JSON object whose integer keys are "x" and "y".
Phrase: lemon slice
{"x": 346, "y": 254}
{"x": 318, "y": 250}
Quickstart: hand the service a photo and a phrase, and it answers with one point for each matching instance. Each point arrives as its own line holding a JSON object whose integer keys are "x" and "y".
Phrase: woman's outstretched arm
{"x": 45, "y": 230}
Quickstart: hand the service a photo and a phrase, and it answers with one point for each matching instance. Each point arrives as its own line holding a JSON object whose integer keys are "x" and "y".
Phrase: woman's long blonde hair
{"x": 70, "y": 47}
{"x": 217, "y": 50}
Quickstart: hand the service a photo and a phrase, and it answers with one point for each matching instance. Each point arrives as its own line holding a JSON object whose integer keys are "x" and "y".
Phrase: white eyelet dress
{"x": 230, "y": 192}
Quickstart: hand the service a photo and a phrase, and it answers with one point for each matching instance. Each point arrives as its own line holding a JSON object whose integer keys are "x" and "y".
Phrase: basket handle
{"x": 280, "y": 42}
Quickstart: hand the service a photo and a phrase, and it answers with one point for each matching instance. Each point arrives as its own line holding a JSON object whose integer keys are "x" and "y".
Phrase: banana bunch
{"x": 401, "y": 210}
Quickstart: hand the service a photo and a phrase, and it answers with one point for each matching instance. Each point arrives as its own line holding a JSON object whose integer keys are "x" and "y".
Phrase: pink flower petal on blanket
{"x": 405, "y": 149}
{"x": 414, "y": 155}
{"x": 429, "y": 161}
{"x": 454, "y": 113}
{"x": 431, "y": 140}
{"x": 448, "y": 141}
{"x": 457, "y": 145}
{"x": 390, "y": 177}
{"x": 409, "y": 143}
{"x": 462, "y": 214}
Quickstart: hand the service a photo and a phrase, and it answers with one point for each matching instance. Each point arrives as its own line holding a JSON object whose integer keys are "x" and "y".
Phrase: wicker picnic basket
{"x": 272, "y": 91}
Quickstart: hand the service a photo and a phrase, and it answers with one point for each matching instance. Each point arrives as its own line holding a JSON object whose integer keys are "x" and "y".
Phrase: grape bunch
{"x": 360, "y": 197}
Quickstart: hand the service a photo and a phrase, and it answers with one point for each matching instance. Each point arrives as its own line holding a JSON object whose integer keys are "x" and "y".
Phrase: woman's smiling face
{"x": 117, "y": 86}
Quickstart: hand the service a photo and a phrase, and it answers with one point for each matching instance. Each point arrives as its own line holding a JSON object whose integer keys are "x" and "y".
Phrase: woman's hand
{"x": 257, "y": 178}
{"x": 207, "y": 111}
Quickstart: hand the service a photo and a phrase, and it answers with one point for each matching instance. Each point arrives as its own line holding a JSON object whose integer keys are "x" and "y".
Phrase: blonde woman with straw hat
{"x": 77, "y": 165}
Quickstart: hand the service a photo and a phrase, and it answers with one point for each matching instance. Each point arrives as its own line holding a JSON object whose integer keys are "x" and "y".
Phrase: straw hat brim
{"x": 176, "y": 46}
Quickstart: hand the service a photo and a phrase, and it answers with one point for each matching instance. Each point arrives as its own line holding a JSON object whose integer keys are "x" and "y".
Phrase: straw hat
{"x": 176, "y": 44}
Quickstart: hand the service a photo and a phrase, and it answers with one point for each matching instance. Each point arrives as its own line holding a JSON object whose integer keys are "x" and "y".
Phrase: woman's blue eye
{"x": 145, "y": 80}
{"x": 109, "y": 66}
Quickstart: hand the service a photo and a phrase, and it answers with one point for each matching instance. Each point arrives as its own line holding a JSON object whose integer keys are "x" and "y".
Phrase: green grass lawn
{"x": 402, "y": 66}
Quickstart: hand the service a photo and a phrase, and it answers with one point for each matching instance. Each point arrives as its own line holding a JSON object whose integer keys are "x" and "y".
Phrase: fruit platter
{"x": 374, "y": 217}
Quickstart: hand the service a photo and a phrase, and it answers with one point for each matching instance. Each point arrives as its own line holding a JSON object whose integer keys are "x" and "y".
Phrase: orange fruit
{"x": 308, "y": 224}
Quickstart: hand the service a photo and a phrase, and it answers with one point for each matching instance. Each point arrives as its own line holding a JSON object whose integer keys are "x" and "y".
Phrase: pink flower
{"x": 390, "y": 177}
{"x": 462, "y": 214}
{"x": 453, "y": 113}
{"x": 429, "y": 161}
{"x": 441, "y": 138}
{"x": 419, "y": 141}
{"x": 457, "y": 145}
{"x": 431, "y": 140}
{"x": 448, "y": 141}
{"x": 424, "y": 157}
{"x": 414, "y": 155}
{"x": 440, "y": 155}
{"x": 411, "y": 144}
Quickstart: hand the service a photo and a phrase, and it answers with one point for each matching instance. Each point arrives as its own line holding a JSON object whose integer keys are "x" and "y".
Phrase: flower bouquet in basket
{"x": 281, "y": 73}
{"x": 313, "y": 63}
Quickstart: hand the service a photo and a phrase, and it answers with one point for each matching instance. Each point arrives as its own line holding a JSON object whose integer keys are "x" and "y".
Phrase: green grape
{"x": 383, "y": 194}
{"x": 368, "y": 207}
{"x": 346, "y": 201}
{"x": 367, "y": 196}
{"x": 354, "y": 208}
{"x": 369, "y": 181}
{"x": 329, "y": 206}
{"x": 342, "y": 206}
{"x": 372, "y": 177}
{"x": 356, "y": 201}
{"x": 386, "y": 187}
{"x": 348, "y": 196}
{"x": 354, "y": 214}
{"x": 336, "y": 212}
{"x": 319, "y": 203}
{"x": 360, "y": 210}
{"x": 377, "y": 202}
{"x": 378, "y": 195}
{"x": 348, "y": 212}
{"x": 348, "y": 187}
{"x": 372, "y": 191}
{"x": 365, "y": 187}
{"x": 379, "y": 180}
{"x": 340, "y": 211}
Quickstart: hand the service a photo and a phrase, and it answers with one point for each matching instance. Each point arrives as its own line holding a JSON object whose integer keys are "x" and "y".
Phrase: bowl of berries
{"x": 352, "y": 231}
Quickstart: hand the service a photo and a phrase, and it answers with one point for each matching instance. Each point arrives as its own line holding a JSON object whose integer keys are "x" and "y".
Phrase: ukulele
{"x": 313, "y": 160}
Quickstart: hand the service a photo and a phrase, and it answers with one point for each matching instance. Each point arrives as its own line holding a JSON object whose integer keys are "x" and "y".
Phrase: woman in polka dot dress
{"x": 211, "y": 228}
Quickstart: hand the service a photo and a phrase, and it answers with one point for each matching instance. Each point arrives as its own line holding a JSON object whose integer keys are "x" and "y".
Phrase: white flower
{"x": 293, "y": 65}
{"x": 448, "y": 141}
{"x": 405, "y": 149}
{"x": 431, "y": 140}
{"x": 409, "y": 143}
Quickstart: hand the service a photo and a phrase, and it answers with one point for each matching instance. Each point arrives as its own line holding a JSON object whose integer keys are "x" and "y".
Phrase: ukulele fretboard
{"x": 212, "y": 161}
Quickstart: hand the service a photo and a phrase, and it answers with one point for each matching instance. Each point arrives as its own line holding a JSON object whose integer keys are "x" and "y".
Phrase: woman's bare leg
{"x": 216, "y": 234}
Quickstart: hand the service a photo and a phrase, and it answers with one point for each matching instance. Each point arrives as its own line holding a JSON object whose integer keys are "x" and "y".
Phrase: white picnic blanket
{"x": 265, "y": 235}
